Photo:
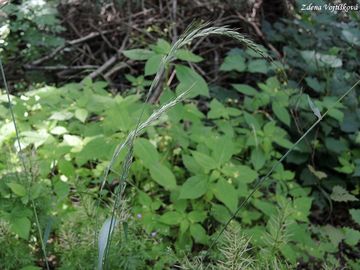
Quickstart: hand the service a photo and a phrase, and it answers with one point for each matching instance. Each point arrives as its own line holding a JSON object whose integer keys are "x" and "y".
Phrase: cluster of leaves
{"x": 29, "y": 29}
{"x": 329, "y": 161}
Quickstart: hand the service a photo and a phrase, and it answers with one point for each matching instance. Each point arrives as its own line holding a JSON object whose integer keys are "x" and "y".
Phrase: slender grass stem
{"x": 22, "y": 160}
{"x": 194, "y": 31}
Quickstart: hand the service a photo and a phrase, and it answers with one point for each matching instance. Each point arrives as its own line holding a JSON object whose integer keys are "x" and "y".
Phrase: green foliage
{"x": 30, "y": 29}
{"x": 193, "y": 166}
{"x": 15, "y": 253}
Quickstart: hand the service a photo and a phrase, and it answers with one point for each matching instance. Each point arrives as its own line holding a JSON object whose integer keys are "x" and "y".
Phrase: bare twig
{"x": 109, "y": 62}
{"x": 68, "y": 43}
{"x": 60, "y": 67}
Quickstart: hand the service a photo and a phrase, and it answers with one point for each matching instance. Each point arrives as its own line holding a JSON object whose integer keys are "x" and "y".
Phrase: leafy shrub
{"x": 195, "y": 165}
{"x": 29, "y": 29}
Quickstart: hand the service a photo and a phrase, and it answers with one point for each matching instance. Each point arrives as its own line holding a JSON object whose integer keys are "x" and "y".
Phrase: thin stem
{"x": 22, "y": 160}
{"x": 194, "y": 31}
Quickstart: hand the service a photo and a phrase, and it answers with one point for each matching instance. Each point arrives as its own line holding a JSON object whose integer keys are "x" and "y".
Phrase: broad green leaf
{"x": 72, "y": 140}
{"x": 245, "y": 89}
{"x": 194, "y": 187}
{"x": 315, "y": 84}
{"x": 266, "y": 207}
{"x": 302, "y": 208}
{"x": 205, "y": 161}
{"x": 58, "y": 130}
{"x": 220, "y": 213}
{"x": 184, "y": 226}
{"x": 61, "y": 116}
{"x": 352, "y": 237}
{"x": 197, "y": 216}
{"x": 251, "y": 120}
{"x": 258, "y": 66}
{"x": 146, "y": 152}
{"x": 217, "y": 110}
{"x": 281, "y": 113}
{"x": 190, "y": 79}
{"x": 351, "y": 122}
{"x": 118, "y": 118}
{"x": 96, "y": 149}
{"x": 233, "y": 62}
{"x": 322, "y": 60}
{"x": 335, "y": 235}
{"x": 163, "y": 176}
{"x": 355, "y": 215}
{"x": 17, "y": 189}
{"x": 336, "y": 146}
{"x": 351, "y": 35}
{"x": 162, "y": 46}
{"x": 258, "y": 158}
{"x": 284, "y": 175}
{"x": 36, "y": 190}
{"x": 61, "y": 189}
{"x": 37, "y": 138}
{"x": 243, "y": 174}
{"x": 152, "y": 64}
{"x": 190, "y": 164}
{"x": 283, "y": 142}
{"x": 20, "y": 226}
{"x": 187, "y": 55}
{"x": 81, "y": 114}
{"x": 171, "y": 218}
{"x": 223, "y": 149}
{"x": 248, "y": 217}
{"x": 138, "y": 54}
{"x": 226, "y": 194}
{"x": 199, "y": 234}
{"x": 339, "y": 194}
{"x": 336, "y": 114}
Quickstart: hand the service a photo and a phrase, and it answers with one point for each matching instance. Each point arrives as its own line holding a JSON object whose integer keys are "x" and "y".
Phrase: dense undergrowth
{"x": 194, "y": 166}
